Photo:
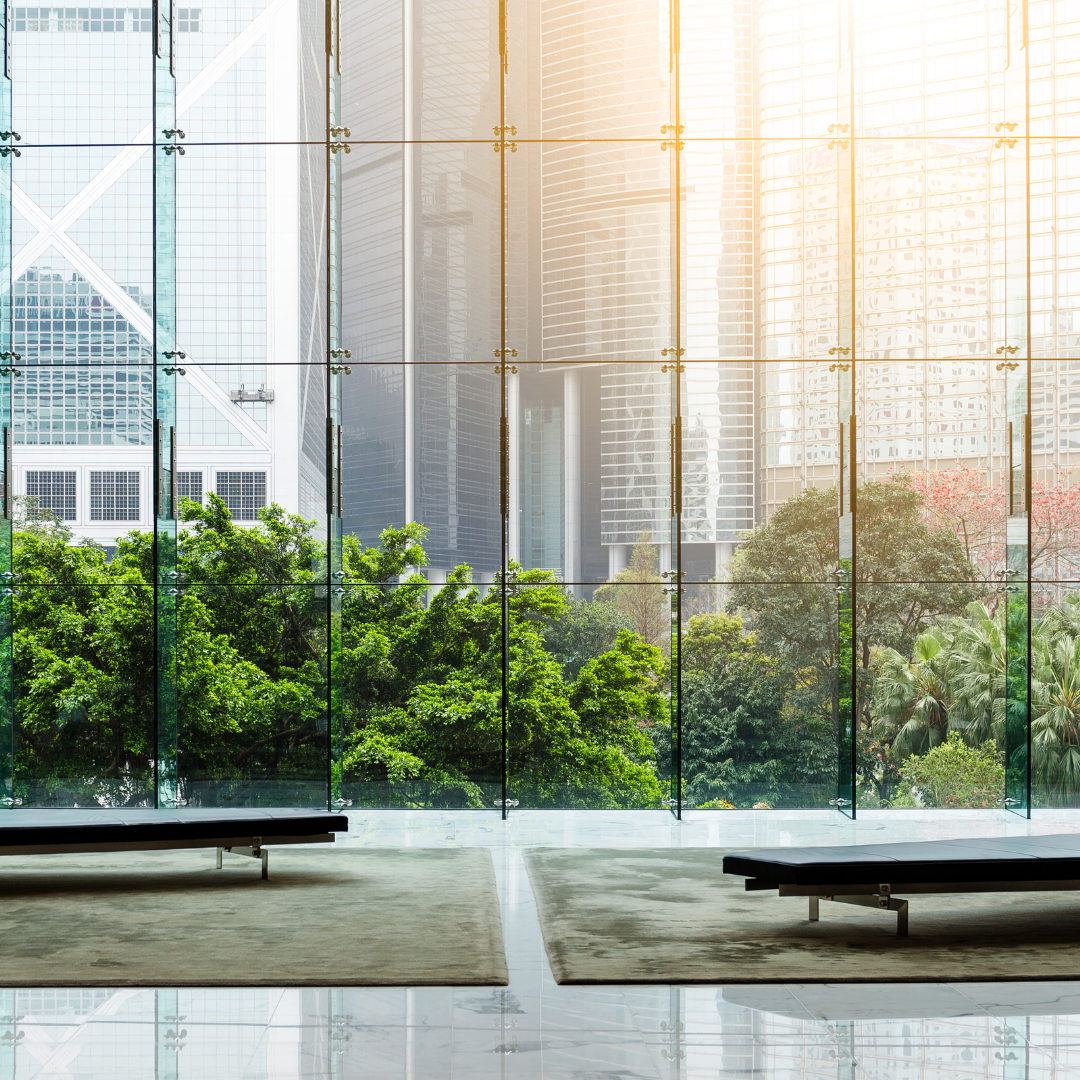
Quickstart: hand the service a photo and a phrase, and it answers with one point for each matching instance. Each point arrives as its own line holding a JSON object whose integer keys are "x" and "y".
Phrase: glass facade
{"x": 505, "y": 403}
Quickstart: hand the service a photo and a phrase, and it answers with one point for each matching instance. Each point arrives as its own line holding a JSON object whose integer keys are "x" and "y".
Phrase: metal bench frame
{"x": 882, "y": 895}
{"x": 254, "y": 847}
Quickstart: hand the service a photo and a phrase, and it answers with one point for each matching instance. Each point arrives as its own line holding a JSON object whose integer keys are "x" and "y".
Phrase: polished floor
{"x": 535, "y": 1029}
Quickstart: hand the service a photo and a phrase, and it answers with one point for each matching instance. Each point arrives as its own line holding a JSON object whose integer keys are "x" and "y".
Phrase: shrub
{"x": 954, "y": 775}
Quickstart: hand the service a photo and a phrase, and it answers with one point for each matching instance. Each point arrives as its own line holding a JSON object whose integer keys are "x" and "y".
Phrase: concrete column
{"x": 618, "y": 557}
{"x": 724, "y": 551}
{"x": 572, "y": 478}
{"x": 665, "y": 558}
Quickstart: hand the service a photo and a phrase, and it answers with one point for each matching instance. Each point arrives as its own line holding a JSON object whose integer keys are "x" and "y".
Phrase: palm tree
{"x": 978, "y": 661}
{"x": 912, "y": 699}
{"x": 1055, "y": 703}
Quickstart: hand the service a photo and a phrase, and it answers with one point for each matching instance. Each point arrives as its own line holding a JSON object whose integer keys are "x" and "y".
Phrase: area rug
{"x": 328, "y": 916}
{"x": 673, "y": 916}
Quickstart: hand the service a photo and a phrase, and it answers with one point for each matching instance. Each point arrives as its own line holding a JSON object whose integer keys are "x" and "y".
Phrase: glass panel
{"x": 1012, "y": 326}
{"x": 931, "y": 453}
{"x": 252, "y": 580}
{"x": 449, "y": 482}
{"x": 420, "y": 70}
{"x": 7, "y": 715}
{"x": 84, "y": 673}
{"x": 932, "y": 666}
{"x": 421, "y": 682}
{"x": 79, "y": 79}
{"x": 928, "y": 69}
{"x": 239, "y": 71}
{"x": 82, "y": 473}
{"x": 594, "y": 71}
{"x": 760, "y": 696}
{"x": 1055, "y": 708}
{"x": 252, "y": 295}
{"x": 167, "y": 357}
{"x": 252, "y": 686}
{"x": 589, "y": 686}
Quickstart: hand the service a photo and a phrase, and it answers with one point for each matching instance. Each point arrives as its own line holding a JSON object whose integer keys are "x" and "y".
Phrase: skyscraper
{"x": 590, "y": 235}
{"x": 250, "y": 221}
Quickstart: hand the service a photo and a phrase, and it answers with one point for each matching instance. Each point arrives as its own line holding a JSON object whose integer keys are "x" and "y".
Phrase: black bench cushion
{"x": 38, "y": 827}
{"x": 1005, "y": 858}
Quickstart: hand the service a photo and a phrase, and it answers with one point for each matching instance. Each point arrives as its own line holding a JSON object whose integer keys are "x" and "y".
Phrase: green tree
{"x": 912, "y": 699}
{"x": 422, "y": 693}
{"x": 584, "y": 631}
{"x": 84, "y": 661}
{"x": 908, "y": 575}
{"x": 740, "y": 742}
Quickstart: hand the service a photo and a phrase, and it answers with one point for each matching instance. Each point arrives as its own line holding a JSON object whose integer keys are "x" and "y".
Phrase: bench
{"x": 876, "y": 875}
{"x": 242, "y": 832}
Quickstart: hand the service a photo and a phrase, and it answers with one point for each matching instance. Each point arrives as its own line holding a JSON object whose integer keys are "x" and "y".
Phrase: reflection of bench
{"x": 243, "y": 832}
{"x": 871, "y": 875}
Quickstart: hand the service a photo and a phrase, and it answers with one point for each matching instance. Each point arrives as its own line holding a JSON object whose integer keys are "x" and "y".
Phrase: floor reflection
{"x": 917, "y": 1032}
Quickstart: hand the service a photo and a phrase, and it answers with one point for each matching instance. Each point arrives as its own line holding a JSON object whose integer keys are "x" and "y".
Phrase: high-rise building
{"x": 590, "y": 297}
{"x": 939, "y": 215}
{"x": 250, "y": 255}
{"x": 420, "y": 272}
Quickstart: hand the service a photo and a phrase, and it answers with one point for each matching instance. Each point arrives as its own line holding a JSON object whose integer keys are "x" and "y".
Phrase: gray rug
{"x": 327, "y": 915}
{"x": 672, "y": 916}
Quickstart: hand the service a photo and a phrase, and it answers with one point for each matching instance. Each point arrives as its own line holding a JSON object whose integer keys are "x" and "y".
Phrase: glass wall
{"x": 504, "y": 404}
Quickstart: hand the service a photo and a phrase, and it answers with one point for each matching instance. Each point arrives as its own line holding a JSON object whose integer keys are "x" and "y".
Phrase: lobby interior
{"x": 555, "y": 446}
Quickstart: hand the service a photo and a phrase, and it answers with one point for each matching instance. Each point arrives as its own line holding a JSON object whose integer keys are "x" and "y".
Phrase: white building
{"x": 250, "y": 249}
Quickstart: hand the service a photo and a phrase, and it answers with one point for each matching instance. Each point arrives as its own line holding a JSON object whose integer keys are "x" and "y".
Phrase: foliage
{"x": 84, "y": 659}
{"x": 737, "y": 733}
{"x": 956, "y": 775}
{"x": 908, "y": 574}
{"x": 420, "y": 673}
{"x": 968, "y": 503}
{"x": 422, "y": 690}
{"x": 941, "y": 670}
{"x": 584, "y": 631}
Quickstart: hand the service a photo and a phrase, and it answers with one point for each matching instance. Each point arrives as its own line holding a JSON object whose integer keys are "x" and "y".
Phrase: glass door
{"x": 676, "y": 370}
{"x": 1010, "y": 160}
{"x": 842, "y": 147}
{"x": 167, "y": 361}
{"x": 337, "y": 357}
{"x": 8, "y": 359}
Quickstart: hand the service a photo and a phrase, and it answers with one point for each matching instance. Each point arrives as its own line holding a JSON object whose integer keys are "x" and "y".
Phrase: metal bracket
{"x": 255, "y": 851}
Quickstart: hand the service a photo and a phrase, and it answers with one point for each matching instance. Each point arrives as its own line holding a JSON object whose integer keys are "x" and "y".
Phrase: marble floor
{"x": 535, "y": 1029}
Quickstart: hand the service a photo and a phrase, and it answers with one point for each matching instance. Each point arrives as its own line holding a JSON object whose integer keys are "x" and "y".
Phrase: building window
{"x": 54, "y": 492}
{"x": 189, "y": 486}
{"x": 114, "y": 496}
{"x": 93, "y": 20}
{"x": 244, "y": 493}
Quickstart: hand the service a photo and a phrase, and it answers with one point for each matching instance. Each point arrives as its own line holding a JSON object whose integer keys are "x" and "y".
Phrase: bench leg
{"x": 901, "y": 917}
{"x": 256, "y": 851}
{"x": 814, "y": 907}
{"x": 883, "y": 903}
{"x": 265, "y": 875}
